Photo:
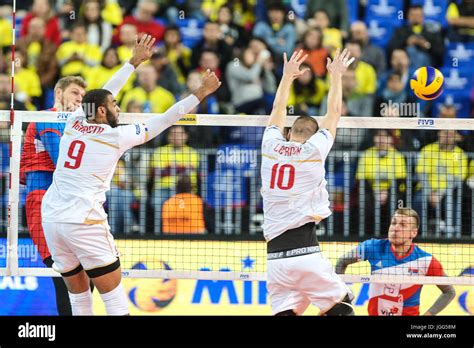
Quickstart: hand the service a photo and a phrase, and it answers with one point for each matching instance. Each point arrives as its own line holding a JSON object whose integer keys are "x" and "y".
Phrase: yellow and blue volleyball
{"x": 152, "y": 295}
{"x": 427, "y": 83}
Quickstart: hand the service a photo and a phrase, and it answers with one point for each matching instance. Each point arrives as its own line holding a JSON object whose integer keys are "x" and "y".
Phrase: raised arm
{"x": 336, "y": 69}
{"x": 157, "y": 124}
{"x": 291, "y": 71}
{"x": 345, "y": 260}
{"x": 141, "y": 53}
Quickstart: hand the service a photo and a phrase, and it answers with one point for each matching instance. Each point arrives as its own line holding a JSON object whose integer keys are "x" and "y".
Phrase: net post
{"x": 13, "y": 198}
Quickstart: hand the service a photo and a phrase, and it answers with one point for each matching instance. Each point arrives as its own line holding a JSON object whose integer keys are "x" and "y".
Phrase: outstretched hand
{"x": 210, "y": 83}
{"x": 340, "y": 63}
{"x": 291, "y": 68}
{"x": 143, "y": 50}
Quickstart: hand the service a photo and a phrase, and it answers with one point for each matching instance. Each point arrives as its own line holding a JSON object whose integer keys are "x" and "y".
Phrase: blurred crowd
{"x": 243, "y": 42}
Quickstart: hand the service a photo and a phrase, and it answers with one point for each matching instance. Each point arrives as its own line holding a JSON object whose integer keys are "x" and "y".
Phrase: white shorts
{"x": 295, "y": 282}
{"x": 71, "y": 245}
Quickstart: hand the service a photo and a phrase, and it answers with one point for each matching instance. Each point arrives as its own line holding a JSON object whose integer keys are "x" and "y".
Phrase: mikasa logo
{"x": 37, "y": 331}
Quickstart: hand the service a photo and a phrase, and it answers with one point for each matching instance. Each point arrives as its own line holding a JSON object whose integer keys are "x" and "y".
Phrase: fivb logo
{"x": 426, "y": 123}
{"x": 37, "y": 331}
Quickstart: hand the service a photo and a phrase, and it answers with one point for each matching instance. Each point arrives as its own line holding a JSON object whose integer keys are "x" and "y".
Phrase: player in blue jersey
{"x": 398, "y": 256}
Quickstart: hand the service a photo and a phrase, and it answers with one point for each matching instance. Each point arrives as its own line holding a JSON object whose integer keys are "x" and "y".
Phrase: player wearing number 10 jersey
{"x": 74, "y": 221}
{"x": 295, "y": 199}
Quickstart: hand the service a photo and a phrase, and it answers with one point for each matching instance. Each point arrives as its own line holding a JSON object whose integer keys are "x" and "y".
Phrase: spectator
{"x": 183, "y": 213}
{"x": 212, "y": 41}
{"x": 460, "y": 16}
{"x": 119, "y": 201}
{"x": 178, "y": 55}
{"x": 233, "y": 34}
{"x": 128, "y": 38}
{"x": 5, "y": 94}
{"x": 441, "y": 166}
{"x": 336, "y": 12}
{"x": 27, "y": 81}
{"x": 312, "y": 45}
{"x": 5, "y": 27}
{"x": 242, "y": 11}
{"x": 249, "y": 78}
{"x": 365, "y": 74}
{"x": 278, "y": 33}
{"x": 77, "y": 55}
{"x": 143, "y": 20}
{"x": 42, "y": 8}
{"x": 166, "y": 76}
{"x": 99, "y": 32}
{"x": 98, "y": 76}
{"x": 394, "y": 93}
{"x": 210, "y": 60}
{"x": 167, "y": 163}
{"x": 399, "y": 63}
{"x": 422, "y": 41}
{"x": 307, "y": 93}
{"x": 371, "y": 54}
{"x": 202, "y": 137}
{"x": 332, "y": 37}
{"x": 155, "y": 98}
{"x": 41, "y": 56}
{"x": 383, "y": 169}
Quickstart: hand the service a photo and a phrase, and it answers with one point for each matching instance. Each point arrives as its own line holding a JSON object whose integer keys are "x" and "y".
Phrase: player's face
{"x": 71, "y": 97}
{"x": 112, "y": 112}
{"x": 402, "y": 230}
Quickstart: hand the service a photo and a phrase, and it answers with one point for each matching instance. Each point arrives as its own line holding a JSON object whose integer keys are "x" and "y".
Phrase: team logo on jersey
{"x": 138, "y": 129}
{"x": 413, "y": 271}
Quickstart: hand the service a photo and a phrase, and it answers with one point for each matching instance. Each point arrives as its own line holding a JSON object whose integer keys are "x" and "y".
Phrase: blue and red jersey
{"x": 40, "y": 154}
{"x": 396, "y": 299}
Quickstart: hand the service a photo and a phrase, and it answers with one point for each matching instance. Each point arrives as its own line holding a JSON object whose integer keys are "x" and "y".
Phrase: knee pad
{"x": 81, "y": 304}
{"x": 115, "y": 301}
{"x": 287, "y": 313}
{"x": 344, "y": 308}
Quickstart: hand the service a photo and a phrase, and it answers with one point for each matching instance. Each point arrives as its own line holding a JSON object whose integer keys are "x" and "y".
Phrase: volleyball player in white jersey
{"x": 295, "y": 199}
{"x": 74, "y": 220}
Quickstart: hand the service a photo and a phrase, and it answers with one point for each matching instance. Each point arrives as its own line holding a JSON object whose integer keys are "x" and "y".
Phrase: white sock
{"x": 115, "y": 301}
{"x": 81, "y": 304}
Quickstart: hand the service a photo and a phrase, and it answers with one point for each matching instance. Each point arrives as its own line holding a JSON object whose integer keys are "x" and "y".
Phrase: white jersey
{"x": 293, "y": 184}
{"x": 88, "y": 155}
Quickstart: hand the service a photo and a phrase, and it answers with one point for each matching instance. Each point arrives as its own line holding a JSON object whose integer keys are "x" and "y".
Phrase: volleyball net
{"x": 187, "y": 204}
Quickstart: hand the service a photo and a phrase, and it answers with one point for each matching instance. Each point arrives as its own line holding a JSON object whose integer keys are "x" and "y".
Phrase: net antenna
{"x": 15, "y": 150}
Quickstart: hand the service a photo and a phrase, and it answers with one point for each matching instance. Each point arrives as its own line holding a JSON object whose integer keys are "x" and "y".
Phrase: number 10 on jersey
{"x": 279, "y": 173}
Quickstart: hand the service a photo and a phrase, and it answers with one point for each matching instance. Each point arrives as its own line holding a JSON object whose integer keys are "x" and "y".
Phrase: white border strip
{"x": 256, "y": 276}
{"x": 260, "y": 121}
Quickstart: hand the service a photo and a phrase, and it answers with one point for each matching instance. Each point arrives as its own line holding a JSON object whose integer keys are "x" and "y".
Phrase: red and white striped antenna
{"x": 12, "y": 100}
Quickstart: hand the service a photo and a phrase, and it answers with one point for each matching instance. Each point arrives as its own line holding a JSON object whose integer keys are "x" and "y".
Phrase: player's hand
{"x": 143, "y": 50}
{"x": 210, "y": 83}
{"x": 291, "y": 68}
{"x": 341, "y": 62}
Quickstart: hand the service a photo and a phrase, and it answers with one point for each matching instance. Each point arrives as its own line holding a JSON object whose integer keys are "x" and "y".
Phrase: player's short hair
{"x": 66, "y": 81}
{"x": 409, "y": 212}
{"x": 305, "y": 126}
{"x": 93, "y": 99}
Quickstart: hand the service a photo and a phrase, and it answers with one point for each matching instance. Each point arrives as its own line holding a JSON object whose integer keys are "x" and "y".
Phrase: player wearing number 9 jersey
{"x": 295, "y": 199}
{"x": 74, "y": 220}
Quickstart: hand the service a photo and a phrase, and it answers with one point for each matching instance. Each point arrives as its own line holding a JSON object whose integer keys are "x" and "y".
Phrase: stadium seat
{"x": 457, "y": 80}
{"x": 459, "y": 54}
{"x": 383, "y": 9}
{"x": 461, "y": 102}
{"x": 191, "y": 31}
{"x": 434, "y": 10}
{"x": 228, "y": 184}
{"x": 353, "y": 10}
{"x": 381, "y": 30}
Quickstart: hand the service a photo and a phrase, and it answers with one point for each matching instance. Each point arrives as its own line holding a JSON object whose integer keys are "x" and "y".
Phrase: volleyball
{"x": 152, "y": 295}
{"x": 427, "y": 83}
